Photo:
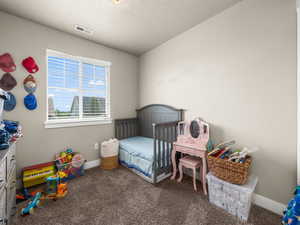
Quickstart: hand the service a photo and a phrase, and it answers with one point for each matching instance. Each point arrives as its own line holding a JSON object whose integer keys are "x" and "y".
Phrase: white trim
{"x": 80, "y": 101}
{"x": 92, "y": 164}
{"x": 107, "y": 102}
{"x": 269, "y": 204}
{"x": 80, "y": 58}
{"x": 81, "y": 121}
{"x": 47, "y": 102}
{"x": 76, "y": 123}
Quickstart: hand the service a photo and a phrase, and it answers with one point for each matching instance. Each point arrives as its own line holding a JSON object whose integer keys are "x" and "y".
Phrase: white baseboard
{"x": 269, "y": 204}
{"x": 92, "y": 164}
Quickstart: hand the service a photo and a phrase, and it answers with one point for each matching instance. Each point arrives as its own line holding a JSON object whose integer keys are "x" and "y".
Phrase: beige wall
{"x": 23, "y": 38}
{"x": 237, "y": 70}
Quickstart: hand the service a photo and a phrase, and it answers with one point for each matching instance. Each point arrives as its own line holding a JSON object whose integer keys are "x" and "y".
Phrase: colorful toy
{"x": 34, "y": 203}
{"x": 25, "y": 195}
{"x": 71, "y": 163}
{"x": 292, "y": 212}
{"x": 55, "y": 187}
{"x": 65, "y": 156}
{"x": 37, "y": 174}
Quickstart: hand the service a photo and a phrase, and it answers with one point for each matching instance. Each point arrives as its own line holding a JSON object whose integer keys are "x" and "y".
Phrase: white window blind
{"x": 78, "y": 88}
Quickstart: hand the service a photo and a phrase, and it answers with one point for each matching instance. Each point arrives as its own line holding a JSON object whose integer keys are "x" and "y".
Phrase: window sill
{"x": 76, "y": 123}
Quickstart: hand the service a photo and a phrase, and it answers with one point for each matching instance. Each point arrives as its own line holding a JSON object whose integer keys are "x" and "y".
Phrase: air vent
{"x": 83, "y": 29}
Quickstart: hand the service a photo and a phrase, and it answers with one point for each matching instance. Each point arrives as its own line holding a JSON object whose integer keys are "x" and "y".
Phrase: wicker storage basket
{"x": 109, "y": 163}
{"x": 232, "y": 172}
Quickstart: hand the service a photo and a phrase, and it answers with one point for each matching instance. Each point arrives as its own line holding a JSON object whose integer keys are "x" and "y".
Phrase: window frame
{"x": 57, "y": 123}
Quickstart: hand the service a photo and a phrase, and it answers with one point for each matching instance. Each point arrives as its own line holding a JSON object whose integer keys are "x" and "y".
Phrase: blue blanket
{"x": 137, "y": 153}
{"x": 138, "y": 146}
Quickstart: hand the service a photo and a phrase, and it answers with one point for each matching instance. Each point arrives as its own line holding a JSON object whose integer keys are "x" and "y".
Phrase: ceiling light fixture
{"x": 116, "y": 1}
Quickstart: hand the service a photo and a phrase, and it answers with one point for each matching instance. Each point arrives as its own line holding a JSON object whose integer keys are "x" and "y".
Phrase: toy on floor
{"x": 292, "y": 212}
{"x": 65, "y": 157}
{"x": 71, "y": 163}
{"x": 55, "y": 189}
{"x": 55, "y": 186}
{"x": 37, "y": 174}
{"x": 34, "y": 203}
{"x": 25, "y": 195}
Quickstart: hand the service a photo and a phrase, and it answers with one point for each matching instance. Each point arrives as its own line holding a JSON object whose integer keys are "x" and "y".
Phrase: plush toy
{"x": 292, "y": 212}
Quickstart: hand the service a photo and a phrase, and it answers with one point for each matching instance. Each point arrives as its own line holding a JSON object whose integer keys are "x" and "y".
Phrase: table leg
{"x": 204, "y": 171}
{"x": 194, "y": 179}
{"x": 180, "y": 173}
{"x": 174, "y": 164}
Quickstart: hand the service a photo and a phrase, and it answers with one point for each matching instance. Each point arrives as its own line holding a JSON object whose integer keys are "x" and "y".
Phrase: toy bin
{"x": 73, "y": 169}
{"x": 235, "y": 199}
{"x": 109, "y": 154}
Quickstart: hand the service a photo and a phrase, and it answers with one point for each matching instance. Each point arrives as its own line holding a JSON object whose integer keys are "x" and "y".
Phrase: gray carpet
{"x": 121, "y": 197}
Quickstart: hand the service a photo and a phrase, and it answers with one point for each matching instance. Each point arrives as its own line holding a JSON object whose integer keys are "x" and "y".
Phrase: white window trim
{"x": 76, "y": 123}
{"x": 81, "y": 121}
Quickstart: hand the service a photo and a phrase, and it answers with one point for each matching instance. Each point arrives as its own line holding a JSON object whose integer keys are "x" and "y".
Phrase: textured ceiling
{"x": 134, "y": 26}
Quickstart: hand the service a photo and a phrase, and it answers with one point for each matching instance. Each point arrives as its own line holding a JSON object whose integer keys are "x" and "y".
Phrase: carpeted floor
{"x": 121, "y": 197}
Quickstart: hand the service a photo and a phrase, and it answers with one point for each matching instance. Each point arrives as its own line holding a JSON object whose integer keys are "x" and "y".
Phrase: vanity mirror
{"x": 194, "y": 133}
{"x": 194, "y": 129}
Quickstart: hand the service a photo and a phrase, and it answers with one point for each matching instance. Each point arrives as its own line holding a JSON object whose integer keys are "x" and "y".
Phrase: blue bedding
{"x": 138, "y": 146}
{"x": 137, "y": 153}
{"x": 134, "y": 162}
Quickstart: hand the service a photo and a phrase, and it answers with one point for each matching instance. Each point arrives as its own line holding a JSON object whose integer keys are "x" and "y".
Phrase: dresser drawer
{"x": 3, "y": 197}
{"x": 11, "y": 185}
{"x": 11, "y": 205}
{"x": 190, "y": 151}
{"x": 11, "y": 194}
{"x": 11, "y": 160}
{"x": 3, "y": 172}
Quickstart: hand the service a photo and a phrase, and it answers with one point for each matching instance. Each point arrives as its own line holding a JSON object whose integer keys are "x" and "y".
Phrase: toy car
{"x": 34, "y": 203}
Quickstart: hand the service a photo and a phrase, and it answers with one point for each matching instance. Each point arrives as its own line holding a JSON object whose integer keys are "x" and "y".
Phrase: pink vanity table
{"x": 192, "y": 140}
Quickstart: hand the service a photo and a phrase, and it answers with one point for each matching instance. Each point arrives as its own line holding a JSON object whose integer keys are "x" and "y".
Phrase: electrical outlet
{"x": 96, "y": 146}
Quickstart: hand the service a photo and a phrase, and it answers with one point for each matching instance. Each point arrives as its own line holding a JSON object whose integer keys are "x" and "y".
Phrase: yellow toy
{"x": 37, "y": 174}
{"x": 55, "y": 187}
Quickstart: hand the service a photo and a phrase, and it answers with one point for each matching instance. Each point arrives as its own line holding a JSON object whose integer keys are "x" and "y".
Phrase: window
{"x": 78, "y": 90}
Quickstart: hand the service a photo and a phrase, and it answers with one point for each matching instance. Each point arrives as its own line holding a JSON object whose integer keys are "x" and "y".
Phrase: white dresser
{"x": 7, "y": 184}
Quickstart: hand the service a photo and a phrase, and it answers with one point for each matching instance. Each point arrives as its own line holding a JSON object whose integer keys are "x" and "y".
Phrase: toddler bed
{"x": 146, "y": 141}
